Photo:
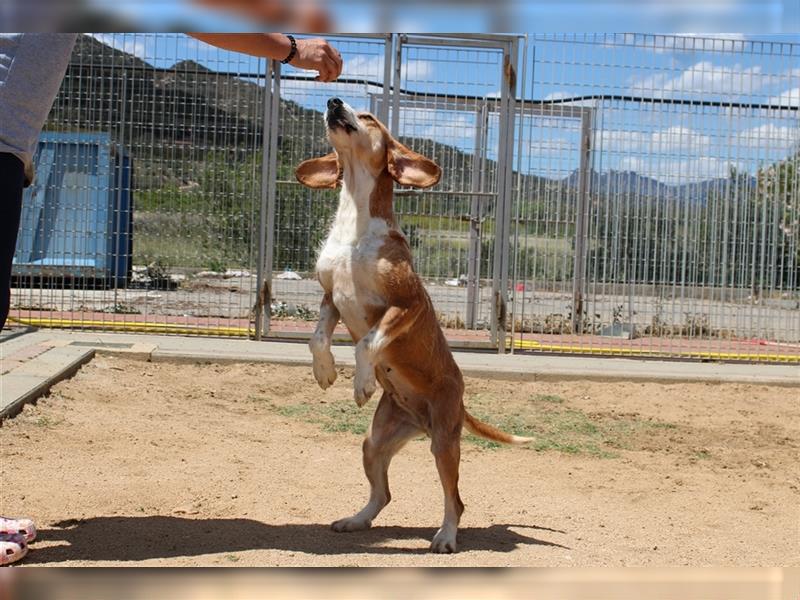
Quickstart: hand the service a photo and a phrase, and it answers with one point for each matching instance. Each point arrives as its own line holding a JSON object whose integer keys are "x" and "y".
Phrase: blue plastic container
{"x": 77, "y": 216}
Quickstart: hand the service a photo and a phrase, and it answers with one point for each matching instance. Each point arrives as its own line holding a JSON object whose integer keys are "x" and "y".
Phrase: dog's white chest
{"x": 347, "y": 267}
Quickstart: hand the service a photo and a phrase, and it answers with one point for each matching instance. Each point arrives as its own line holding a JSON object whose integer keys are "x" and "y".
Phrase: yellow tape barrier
{"x": 168, "y": 328}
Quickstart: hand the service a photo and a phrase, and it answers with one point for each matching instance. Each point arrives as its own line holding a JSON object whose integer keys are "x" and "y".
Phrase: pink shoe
{"x": 23, "y": 527}
{"x": 12, "y": 548}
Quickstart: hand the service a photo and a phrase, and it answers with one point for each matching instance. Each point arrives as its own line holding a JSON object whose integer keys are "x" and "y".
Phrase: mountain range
{"x": 183, "y": 112}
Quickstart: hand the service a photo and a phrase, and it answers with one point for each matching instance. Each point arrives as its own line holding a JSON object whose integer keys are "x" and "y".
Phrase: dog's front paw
{"x": 324, "y": 369}
{"x": 444, "y": 542}
{"x": 364, "y": 385}
{"x": 351, "y": 524}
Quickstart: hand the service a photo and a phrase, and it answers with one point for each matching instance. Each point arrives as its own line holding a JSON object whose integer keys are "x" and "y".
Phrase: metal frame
{"x": 268, "y": 190}
{"x": 504, "y": 186}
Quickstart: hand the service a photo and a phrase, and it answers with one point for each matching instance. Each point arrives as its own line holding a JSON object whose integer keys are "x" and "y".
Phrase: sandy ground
{"x": 165, "y": 464}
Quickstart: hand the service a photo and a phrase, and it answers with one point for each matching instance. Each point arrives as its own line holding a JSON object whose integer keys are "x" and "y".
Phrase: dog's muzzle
{"x": 337, "y": 116}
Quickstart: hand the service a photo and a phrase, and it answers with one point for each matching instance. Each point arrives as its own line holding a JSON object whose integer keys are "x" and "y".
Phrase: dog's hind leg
{"x": 446, "y": 422}
{"x": 388, "y": 434}
{"x": 395, "y": 322}
{"x": 320, "y": 343}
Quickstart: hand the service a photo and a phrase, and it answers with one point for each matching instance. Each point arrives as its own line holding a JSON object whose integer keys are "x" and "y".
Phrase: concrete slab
{"x": 12, "y": 331}
{"x": 564, "y": 368}
{"x": 478, "y": 364}
{"x": 35, "y": 377}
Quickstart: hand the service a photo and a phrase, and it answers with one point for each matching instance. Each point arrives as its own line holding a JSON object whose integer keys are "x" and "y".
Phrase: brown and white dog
{"x": 366, "y": 270}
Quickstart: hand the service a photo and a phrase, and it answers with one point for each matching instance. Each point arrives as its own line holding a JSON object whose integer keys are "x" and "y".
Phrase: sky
{"x": 359, "y": 16}
{"x": 667, "y": 141}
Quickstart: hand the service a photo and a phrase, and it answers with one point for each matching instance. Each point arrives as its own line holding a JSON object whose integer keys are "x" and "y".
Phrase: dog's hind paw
{"x": 444, "y": 542}
{"x": 363, "y": 394}
{"x": 364, "y": 385}
{"x": 351, "y": 524}
{"x": 324, "y": 370}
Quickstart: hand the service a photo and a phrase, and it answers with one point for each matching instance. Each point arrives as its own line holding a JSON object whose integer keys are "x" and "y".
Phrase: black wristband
{"x": 292, "y": 52}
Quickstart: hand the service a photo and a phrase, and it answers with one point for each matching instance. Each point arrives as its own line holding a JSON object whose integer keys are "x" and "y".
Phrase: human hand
{"x": 318, "y": 55}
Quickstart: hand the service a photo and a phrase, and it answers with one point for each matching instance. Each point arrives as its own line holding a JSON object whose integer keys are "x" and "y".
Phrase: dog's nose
{"x": 334, "y": 103}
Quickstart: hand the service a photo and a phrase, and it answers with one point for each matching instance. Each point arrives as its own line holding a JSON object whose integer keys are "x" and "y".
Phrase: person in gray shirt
{"x": 32, "y": 66}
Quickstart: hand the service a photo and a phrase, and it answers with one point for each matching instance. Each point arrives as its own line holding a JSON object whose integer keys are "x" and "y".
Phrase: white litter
{"x": 287, "y": 274}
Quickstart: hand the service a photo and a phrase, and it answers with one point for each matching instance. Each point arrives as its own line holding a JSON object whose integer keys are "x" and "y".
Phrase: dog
{"x": 366, "y": 271}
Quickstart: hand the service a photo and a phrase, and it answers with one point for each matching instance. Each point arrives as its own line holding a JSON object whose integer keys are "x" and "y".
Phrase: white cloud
{"x": 553, "y": 146}
{"x": 674, "y": 172}
{"x": 632, "y": 163}
{"x": 793, "y": 73}
{"x": 699, "y": 169}
{"x": 788, "y": 98}
{"x": 670, "y": 140}
{"x": 448, "y": 127}
{"x": 770, "y": 137}
{"x": 705, "y": 77}
{"x": 711, "y": 42}
{"x": 661, "y": 44}
{"x": 559, "y": 95}
{"x": 371, "y": 66}
{"x": 314, "y": 94}
{"x": 620, "y": 139}
{"x": 675, "y": 139}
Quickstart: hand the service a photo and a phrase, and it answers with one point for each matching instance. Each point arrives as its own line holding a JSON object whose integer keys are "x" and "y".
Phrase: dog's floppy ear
{"x": 410, "y": 168}
{"x": 322, "y": 172}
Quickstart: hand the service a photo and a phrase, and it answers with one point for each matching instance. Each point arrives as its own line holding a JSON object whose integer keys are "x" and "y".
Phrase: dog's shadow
{"x": 142, "y": 538}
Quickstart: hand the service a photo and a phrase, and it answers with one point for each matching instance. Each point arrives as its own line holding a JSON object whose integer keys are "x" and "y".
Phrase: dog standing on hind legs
{"x": 365, "y": 268}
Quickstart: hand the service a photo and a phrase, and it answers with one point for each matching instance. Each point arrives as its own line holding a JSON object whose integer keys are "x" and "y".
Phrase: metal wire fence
{"x": 614, "y": 194}
{"x": 679, "y": 234}
{"x": 164, "y": 239}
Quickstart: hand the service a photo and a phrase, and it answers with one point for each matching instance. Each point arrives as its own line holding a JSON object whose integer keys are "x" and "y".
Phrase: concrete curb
{"x": 517, "y": 367}
{"x": 606, "y": 377}
{"x": 35, "y": 378}
{"x": 528, "y": 368}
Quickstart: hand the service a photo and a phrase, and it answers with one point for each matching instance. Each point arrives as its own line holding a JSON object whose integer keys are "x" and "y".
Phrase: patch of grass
{"x": 558, "y": 427}
{"x": 548, "y": 398}
{"x": 45, "y": 421}
{"x": 345, "y": 417}
{"x": 232, "y": 558}
{"x": 120, "y": 308}
{"x": 702, "y": 454}
{"x": 215, "y": 263}
{"x": 335, "y": 417}
{"x": 546, "y": 418}
{"x": 553, "y": 429}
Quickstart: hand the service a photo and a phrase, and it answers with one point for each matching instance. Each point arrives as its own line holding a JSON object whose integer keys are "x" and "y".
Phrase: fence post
{"x": 383, "y": 115}
{"x": 581, "y": 218}
{"x": 398, "y": 62}
{"x": 505, "y": 196}
{"x": 266, "y": 234}
{"x": 517, "y": 188}
{"x": 475, "y": 218}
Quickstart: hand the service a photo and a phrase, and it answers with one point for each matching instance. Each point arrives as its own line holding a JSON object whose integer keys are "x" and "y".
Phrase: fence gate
{"x": 551, "y": 207}
{"x": 447, "y": 98}
{"x": 457, "y": 230}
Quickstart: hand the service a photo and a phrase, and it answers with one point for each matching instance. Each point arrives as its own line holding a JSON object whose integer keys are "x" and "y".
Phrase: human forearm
{"x": 313, "y": 54}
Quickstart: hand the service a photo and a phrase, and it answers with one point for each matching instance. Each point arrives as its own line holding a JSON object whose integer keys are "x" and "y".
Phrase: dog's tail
{"x": 481, "y": 429}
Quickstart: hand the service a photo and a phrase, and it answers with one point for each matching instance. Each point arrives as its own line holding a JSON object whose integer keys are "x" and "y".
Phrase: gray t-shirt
{"x": 32, "y": 66}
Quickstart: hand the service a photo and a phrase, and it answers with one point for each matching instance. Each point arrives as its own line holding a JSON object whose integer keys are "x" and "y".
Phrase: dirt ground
{"x": 176, "y": 464}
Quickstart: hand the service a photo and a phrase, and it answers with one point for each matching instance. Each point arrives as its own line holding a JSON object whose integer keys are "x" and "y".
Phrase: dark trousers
{"x": 12, "y": 179}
